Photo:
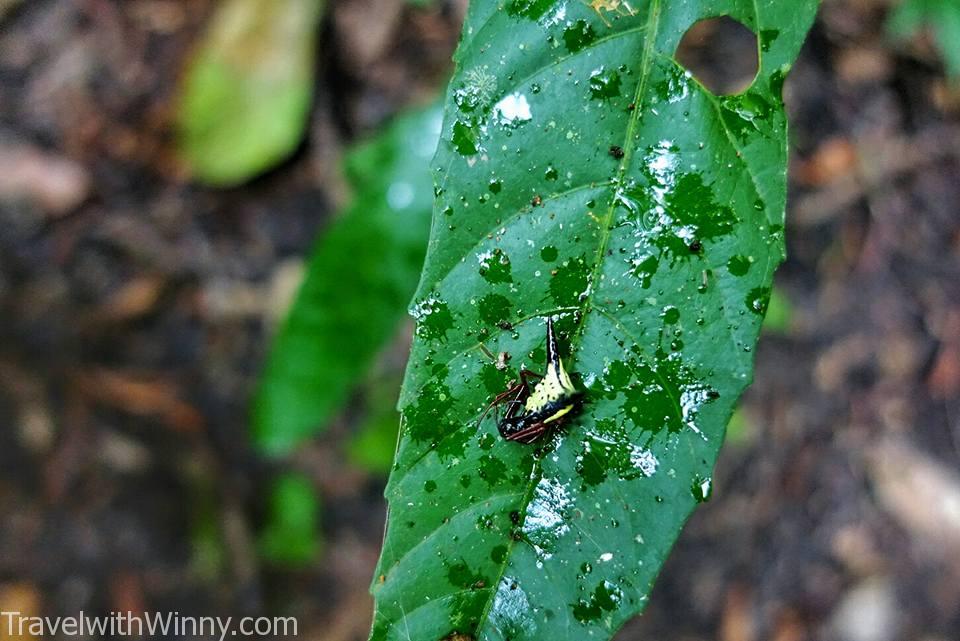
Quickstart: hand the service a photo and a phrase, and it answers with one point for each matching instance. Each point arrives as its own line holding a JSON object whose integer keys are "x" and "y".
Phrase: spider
{"x": 532, "y": 413}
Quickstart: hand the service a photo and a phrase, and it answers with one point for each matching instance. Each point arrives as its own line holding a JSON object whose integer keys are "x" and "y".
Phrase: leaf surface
{"x": 360, "y": 277}
{"x": 582, "y": 174}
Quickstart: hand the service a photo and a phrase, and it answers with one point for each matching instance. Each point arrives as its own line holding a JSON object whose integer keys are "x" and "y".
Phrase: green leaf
{"x": 246, "y": 93}
{"x": 779, "y": 313}
{"x": 292, "y": 534}
{"x": 582, "y": 174}
{"x": 375, "y": 442}
{"x": 941, "y": 16}
{"x": 359, "y": 280}
{"x": 741, "y": 430}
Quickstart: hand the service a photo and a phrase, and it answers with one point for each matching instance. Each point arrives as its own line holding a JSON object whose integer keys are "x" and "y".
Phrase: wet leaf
{"x": 624, "y": 193}
{"x": 246, "y": 92}
{"x": 359, "y": 280}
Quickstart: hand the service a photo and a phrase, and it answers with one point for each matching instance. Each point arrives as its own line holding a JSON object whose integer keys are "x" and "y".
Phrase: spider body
{"x": 532, "y": 413}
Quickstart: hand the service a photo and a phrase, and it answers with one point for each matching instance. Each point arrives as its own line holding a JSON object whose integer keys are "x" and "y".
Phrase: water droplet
{"x": 549, "y": 254}
{"x": 465, "y": 139}
{"x": 578, "y": 35}
{"x": 738, "y": 265}
{"x": 604, "y": 83}
{"x": 702, "y": 489}
{"x": 606, "y": 597}
{"x": 513, "y": 110}
{"x": 495, "y": 266}
{"x": 758, "y": 299}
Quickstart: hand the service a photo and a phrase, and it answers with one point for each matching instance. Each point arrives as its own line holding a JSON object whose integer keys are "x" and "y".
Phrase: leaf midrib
{"x": 510, "y": 89}
{"x": 536, "y": 472}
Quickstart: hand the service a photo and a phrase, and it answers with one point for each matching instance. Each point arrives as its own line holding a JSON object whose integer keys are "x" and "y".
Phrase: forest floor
{"x": 135, "y": 310}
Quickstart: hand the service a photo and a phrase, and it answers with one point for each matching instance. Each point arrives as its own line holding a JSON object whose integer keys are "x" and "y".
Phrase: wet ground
{"x": 134, "y": 311}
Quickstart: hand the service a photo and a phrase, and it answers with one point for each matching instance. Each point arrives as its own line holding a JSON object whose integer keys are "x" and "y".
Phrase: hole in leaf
{"x": 721, "y": 53}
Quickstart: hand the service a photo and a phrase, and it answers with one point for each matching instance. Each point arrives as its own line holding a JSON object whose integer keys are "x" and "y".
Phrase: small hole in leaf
{"x": 721, "y": 53}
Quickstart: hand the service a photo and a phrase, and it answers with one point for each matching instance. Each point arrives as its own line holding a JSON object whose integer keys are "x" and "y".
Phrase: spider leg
{"x": 530, "y": 434}
{"x": 511, "y": 396}
{"x": 518, "y": 402}
{"x": 526, "y": 373}
{"x": 599, "y": 10}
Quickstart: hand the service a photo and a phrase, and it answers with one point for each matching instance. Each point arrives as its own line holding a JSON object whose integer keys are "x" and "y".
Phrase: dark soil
{"x": 135, "y": 309}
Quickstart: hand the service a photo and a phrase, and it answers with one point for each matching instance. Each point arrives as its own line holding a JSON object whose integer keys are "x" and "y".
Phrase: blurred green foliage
{"x": 374, "y": 443}
{"x": 246, "y": 93}
{"x": 292, "y": 535}
{"x": 779, "y": 313}
{"x": 360, "y": 277}
{"x": 208, "y": 557}
{"x": 740, "y": 430}
{"x": 942, "y": 17}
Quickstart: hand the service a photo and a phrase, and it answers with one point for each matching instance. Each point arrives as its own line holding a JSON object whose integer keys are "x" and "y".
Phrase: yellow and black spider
{"x": 530, "y": 414}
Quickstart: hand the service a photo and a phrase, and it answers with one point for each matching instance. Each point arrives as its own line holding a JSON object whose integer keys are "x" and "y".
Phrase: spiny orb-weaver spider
{"x": 530, "y": 414}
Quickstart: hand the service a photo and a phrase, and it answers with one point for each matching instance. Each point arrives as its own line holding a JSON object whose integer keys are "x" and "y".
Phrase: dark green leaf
{"x": 359, "y": 280}
{"x": 587, "y": 177}
{"x": 246, "y": 92}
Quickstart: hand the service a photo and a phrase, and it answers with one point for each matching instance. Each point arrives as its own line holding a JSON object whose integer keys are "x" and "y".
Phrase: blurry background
{"x": 165, "y": 169}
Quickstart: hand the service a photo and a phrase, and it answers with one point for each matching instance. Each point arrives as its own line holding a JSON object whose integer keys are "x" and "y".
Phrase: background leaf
{"x": 246, "y": 94}
{"x": 359, "y": 280}
{"x": 373, "y": 446}
{"x": 293, "y": 534}
{"x": 779, "y": 312}
{"x": 943, "y": 19}
{"x": 583, "y": 174}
